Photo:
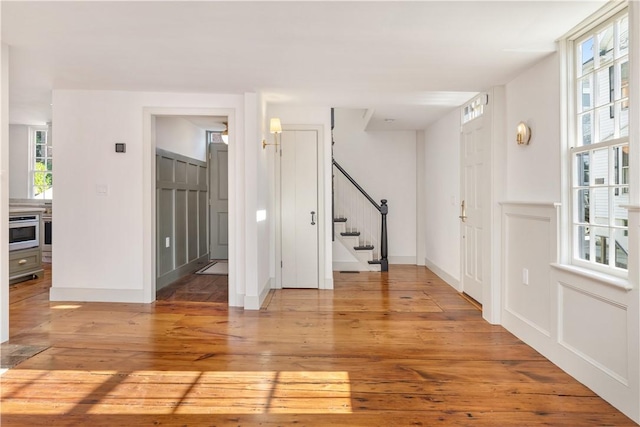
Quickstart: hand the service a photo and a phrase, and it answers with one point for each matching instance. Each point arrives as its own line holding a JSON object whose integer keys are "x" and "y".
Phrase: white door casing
{"x": 475, "y": 143}
{"x": 218, "y": 201}
{"x": 299, "y": 211}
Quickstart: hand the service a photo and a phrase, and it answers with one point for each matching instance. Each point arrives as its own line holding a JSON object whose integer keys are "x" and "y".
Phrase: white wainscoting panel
{"x": 586, "y": 323}
{"x": 594, "y": 328}
{"x": 528, "y": 249}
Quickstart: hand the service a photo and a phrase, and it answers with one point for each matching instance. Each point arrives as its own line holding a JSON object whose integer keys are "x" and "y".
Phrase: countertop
{"x": 25, "y": 209}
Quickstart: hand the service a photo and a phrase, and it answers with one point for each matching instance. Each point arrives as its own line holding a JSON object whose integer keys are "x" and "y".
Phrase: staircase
{"x": 365, "y": 254}
{"x": 359, "y": 223}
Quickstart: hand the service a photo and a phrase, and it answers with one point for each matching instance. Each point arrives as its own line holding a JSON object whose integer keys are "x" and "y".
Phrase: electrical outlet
{"x": 167, "y": 242}
{"x": 525, "y": 276}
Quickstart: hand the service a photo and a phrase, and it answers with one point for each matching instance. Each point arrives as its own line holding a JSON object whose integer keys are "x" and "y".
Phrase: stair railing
{"x": 363, "y": 214}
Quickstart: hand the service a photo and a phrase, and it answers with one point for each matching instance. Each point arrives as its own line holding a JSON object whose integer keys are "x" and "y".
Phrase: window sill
{"x": 607, "y": 279}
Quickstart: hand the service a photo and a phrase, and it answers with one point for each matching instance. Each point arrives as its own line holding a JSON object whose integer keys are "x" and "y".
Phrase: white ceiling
{"x": 411, "y": 61}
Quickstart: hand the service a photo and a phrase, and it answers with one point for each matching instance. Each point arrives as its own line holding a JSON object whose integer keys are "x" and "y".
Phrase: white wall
{"x": 384, "y": 164}
{"x": 180, "y": 136}
{"x": 585, "y": 323}
{"x": 265, "y": 186}
{"x": 533, "y": 97}
{"x": 442, "y": 197}
{"x": 4, "y": 190}
{"x": 104, "y": 244}
{"x": 309, "y": 115}
{"x": 18, "y": 161}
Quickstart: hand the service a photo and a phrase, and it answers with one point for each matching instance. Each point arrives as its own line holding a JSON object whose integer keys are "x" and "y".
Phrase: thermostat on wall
{"x": 121, "y": 147}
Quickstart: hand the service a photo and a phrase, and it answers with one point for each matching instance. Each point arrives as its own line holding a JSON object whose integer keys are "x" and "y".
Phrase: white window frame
{"x": 570, "y": 251}
{"x": 32, "y": 158}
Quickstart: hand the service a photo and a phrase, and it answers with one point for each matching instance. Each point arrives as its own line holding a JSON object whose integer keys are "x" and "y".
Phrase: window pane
{"x": 585, "y": 94}
{"x": 605, "y": 44}
{"x": 622, "y": 109}
{"x": 39, "y": 183}
{"x": 601, "y": 237}
{"x": 582, "y": 202}
{"x": 623, "y": 73}
{"x": 585, "y": 56}
{"x": 41, "y": 137}
{"x": 620, "y": 155}
{"x": 620, "y": 214}
{"x": 49, "y": 151}
{"x": 582, "y": 242}
{"x": 600, "y": 205}
{"x": 49, "y": 164}
{"x": 623, "y": 36}
{"x": 604, "y": 86}
{"x": 605, "y": 123}
{"x": 582, "y": 169}
{"x": 600, "y": 166}
{"x": 621, "y": 248}
{"x": 585, "y": 129}
{"x": 41, "y": 150}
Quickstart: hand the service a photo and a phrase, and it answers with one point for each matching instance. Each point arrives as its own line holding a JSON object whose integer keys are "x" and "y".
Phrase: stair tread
{"x": 339, "y": 219}
{"x": 350, "y": 233}
{"x": 375, "y": 261}
{"x": 363, "y": 248}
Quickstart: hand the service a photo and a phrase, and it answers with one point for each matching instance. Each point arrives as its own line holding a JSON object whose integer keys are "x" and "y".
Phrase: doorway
{"x": 183, "y": 219}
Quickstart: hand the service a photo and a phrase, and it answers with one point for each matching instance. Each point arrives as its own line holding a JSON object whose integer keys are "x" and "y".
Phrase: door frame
{"x": 321, "y": 221}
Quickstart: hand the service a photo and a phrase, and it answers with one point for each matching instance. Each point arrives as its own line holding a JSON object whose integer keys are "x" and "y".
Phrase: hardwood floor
{"x": 197, "y": 287}
{"x": 392, "y": 349}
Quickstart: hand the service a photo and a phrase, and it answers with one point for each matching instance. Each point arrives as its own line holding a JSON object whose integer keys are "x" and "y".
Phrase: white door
{"x": 475, "y": 141}
{"x": 219, "y": 200}
{"x": 299, "y": 208}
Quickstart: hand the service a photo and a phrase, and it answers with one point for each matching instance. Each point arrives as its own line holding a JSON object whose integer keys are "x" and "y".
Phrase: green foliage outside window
{"x": 42, "y": 179}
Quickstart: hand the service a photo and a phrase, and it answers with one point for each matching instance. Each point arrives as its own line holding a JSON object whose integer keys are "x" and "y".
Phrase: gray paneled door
{"x": 219, "y": 197}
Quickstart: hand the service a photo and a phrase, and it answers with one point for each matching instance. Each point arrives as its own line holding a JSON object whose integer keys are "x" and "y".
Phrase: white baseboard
{"x": 451, "y": 281}
{"x": 328, "y": 284}
{"x": 350, "y": 266}
{"x": 97, "y": 295}
{"x": 402, "y": 260}
{"x": 253, "y": 302}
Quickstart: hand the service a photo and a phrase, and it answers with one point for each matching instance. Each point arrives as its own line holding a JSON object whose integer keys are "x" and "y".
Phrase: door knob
{"x": 313, "y": 221}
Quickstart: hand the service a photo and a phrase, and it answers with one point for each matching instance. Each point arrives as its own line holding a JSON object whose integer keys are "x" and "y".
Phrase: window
{"x": 474, "y": 109}
{"x": 600, "y": 148}
{"x": 41, "y": 169}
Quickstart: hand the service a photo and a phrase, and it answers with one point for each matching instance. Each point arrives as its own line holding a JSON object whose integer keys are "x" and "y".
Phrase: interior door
{"x": 475, "y": 141}
{"x": 299, "y": 208}
{"x": 219, "y": 200}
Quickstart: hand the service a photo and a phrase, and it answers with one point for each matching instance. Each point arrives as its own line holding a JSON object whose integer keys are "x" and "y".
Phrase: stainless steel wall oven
{"x": 24, "y": 232}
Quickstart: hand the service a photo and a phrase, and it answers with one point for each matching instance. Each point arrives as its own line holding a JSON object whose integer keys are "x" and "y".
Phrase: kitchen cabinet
{"x": 25, "y": 264}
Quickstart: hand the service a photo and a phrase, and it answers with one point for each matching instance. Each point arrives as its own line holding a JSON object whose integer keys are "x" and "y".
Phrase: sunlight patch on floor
{"x": 180, "y": 392}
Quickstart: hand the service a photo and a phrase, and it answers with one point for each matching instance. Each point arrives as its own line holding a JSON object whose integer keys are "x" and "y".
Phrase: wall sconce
{"x": 275, "y": 127}
{"x": 523, "y": 134}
